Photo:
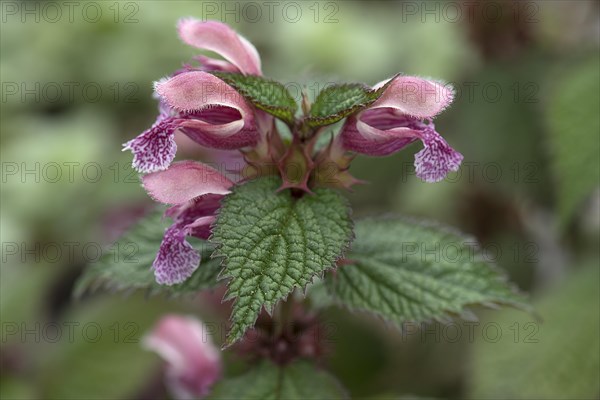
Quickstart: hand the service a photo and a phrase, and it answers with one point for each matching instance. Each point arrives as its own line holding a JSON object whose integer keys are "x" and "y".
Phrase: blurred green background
{"x": 77, "y": 82}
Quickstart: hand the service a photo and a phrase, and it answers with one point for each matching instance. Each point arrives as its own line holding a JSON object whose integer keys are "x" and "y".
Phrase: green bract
{"x": 336, "y": 102}
{"x": 266, "y": 94}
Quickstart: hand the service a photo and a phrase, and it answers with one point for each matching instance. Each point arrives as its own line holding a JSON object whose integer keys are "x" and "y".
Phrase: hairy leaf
{"x": 127, "y": 264}
{"x": 299, "y": 380}
{"x": 336, "y": 102}
{"x": 408, "y": 271}
{"x": 267, "y": 95}
{"x": 273, "y": 243}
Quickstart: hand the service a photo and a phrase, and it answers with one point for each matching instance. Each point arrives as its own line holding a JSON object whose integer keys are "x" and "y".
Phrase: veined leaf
{"x": 299, "y": 380}
{"x": 127, "y": 264}
{"x": 407, "y": 271}
{"x": 273, "y": 243}
{"x": 266, "y": 94}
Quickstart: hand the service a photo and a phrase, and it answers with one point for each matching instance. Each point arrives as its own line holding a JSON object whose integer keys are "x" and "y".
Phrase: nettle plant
{"x": 278, "y": 232}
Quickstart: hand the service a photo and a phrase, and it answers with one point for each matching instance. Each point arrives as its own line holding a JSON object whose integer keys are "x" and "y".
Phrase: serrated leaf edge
{"x": 320, "y": 276}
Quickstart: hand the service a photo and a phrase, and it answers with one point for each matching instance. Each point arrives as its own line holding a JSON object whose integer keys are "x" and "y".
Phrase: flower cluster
{"x": 198, "y": 103}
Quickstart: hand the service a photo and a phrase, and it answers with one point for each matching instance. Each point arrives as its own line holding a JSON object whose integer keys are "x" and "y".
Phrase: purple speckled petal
{"x": 176, "y": 260}
{"x": 155, "y": 148}
{"x": 437, "y": 158}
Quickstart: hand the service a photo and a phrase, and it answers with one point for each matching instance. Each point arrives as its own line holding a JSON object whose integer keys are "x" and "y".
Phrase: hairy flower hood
{"x": 201, "y": 105}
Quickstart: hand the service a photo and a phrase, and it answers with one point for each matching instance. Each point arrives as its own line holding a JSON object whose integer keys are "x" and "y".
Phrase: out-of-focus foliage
{"x": 558, "y": 358}
{"x": 574, "y": 126}
{"x": 298, "y": 380}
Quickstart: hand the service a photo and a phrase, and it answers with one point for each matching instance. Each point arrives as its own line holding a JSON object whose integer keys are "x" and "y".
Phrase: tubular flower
{"x": 194, "y": 191}
{"x": 212, "y": 113}
{"x": 402, "y": 115}
{"x": 194, "y": 363}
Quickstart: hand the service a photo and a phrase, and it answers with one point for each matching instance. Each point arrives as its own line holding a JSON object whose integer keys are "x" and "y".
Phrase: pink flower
{"x": 194, "y": 363}
{"x": 218, "y": 37}
{"x": 194, "y": 191}
{"x": 199, "y": 104}
{"x": 399, "y": 117}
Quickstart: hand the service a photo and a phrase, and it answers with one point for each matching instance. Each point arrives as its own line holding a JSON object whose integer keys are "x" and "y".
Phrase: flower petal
{"x": 414, "y": 96}
{"x": 194, "y": 363}
{"x": 383, "y": 131}
{"x": 220, "y": 38}
{"x": 155, "y": 149}
{"x": 212, "y": 64}
{"x": 199, "y": 90}
{"x": 201, "y": 228}
{"x": 437, "y": 158}
{"x": 379, "y": 132}
{"x": 216, "y": 115}
{"x": 184, "y": 181}
{"x": 176, "y": 260}
{"x": 196, "y": 216}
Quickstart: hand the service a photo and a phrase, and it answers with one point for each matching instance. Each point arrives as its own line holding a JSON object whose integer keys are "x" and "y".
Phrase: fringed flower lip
{"x": 194, "y": 191}
{"x": 400, "y": 116}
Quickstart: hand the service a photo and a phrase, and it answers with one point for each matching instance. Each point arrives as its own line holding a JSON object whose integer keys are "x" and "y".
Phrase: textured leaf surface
{"x": 267, "y": 95}
{"x": 406, "y": 271}
{"x": 299, "y": 380}
{"x": 574, "y": 124}
{"x": 556, "y": 359}
{"x": 127, "y": 264}
{"x": 273, "y": 243}
{"x": 339, "y": 101}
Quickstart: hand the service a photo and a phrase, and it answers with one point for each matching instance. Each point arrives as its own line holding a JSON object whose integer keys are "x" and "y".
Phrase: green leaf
{"x": 408, "y": 271}
{"x": 556, "y": 359}
{"x": 273, "y": 243}
{"x": 574, "y": 124}
{"x": 127, "y": 264}
{"x": 299, "y": 380}
{"x": 336, "y": 102}
{"x": 266, "y": 94}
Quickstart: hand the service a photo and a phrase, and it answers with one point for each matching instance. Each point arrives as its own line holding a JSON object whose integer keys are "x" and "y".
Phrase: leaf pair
{"x": 333, "y": 103}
